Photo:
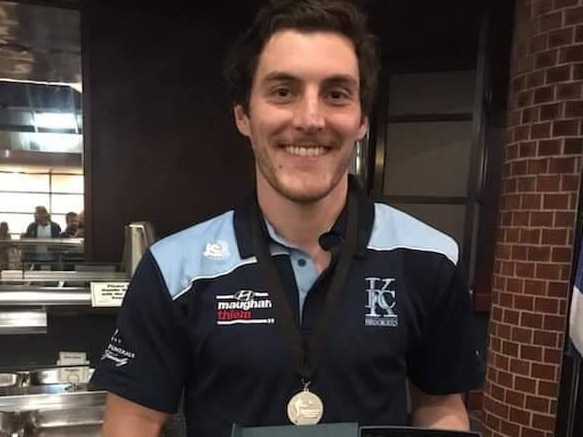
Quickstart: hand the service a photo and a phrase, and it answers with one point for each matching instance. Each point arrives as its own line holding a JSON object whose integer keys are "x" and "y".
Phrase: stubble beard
{"x": 270, "y": 173}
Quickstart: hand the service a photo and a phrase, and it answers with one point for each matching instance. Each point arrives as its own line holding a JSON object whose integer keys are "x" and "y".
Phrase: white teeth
{"x": 305, "y": 151}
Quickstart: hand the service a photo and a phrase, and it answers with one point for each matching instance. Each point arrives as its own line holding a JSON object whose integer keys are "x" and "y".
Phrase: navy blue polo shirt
{"x": 198, "y": 320}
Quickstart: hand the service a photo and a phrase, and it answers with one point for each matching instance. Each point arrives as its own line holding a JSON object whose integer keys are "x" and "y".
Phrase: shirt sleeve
{"x": 147, "y": 356}
{"x": 446, "y": 360}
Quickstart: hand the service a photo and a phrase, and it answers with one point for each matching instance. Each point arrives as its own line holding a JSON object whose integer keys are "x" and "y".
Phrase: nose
{"x": 309, "y": 115}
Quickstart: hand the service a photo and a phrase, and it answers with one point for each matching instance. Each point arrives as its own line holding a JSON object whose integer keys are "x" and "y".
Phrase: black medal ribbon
{"x": 306, "y": 354}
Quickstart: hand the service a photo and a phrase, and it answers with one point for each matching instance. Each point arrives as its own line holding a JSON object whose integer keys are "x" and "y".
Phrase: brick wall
{"x": 542, "y": 163}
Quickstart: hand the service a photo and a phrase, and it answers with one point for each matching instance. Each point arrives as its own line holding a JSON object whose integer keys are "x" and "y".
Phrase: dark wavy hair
{"x": 339, "y": 16}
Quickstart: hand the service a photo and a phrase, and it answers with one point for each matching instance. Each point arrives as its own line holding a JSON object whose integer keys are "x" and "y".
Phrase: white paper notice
{"x": 108, "y": 294}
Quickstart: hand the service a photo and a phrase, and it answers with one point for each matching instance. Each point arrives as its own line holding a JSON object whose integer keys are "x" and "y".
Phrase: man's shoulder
{"x": 395, "y": 229}
{"x": 203, "y": 251}
{"x": 197, "y": 234}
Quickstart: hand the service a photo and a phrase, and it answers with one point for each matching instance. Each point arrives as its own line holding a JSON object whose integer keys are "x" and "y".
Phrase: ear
{"x": 363, "y": 129}
{"x": 242, "y": 120}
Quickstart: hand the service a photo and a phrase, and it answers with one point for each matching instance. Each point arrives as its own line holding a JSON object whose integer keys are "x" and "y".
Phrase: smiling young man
{"x": 308, "y": 303}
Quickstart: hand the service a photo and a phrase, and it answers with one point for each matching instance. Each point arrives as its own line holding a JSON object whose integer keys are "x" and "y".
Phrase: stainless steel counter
{"x": 73, "y": 414}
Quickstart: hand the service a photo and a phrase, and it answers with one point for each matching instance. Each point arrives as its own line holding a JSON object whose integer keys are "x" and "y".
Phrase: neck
{"x": 302, "y": 223}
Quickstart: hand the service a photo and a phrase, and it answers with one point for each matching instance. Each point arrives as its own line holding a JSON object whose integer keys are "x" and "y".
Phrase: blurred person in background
{"x": 72, "y": 223}
{"x": 42, "y": 226}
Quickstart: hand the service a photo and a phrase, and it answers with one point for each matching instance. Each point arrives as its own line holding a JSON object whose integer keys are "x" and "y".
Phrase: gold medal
{"x": 305, "y": 408}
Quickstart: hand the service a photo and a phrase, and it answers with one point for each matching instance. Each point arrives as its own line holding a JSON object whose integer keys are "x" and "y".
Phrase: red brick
{"x": 529, "y": 202}
{"x": 574, "y": 108}
{"x": 519, "y": 252}
{"x": 519, "y": 133}
{"x": 543, "y": 422}
{"x": 579, "y": 34}
{"x": 535, "y": 79}
{"x": 518, "y": 168}
{"x": 571, "y": 90}
{"x": 508, "y": 428}
{"x": 511, "y": 349}
{"x": 507, "y": 268}
{"x": 535, "y": 287}
{"x": 564, "y": 219}
{"x": 565, "y": 127}
{"x": 555, "y": 237}
{"x": 527, "y": 149}
{"x": 546, "y": 305}
{"x": 501, "y": 362}
{"x": 558, "y": 289}
{"x": 537, "y": 166}
{"x": 531, "y": 320}
{"x": 524, "y": 98}
{"x": 570, "y": 182}
{"x": 544, "y": 371}
{"x": 570, "y": 54}
{"x": 550, "y": 111}
{"x": 530, "y": 432}
{"x": 562, "y": 165}
{"x": 555, "y": 201}
{"x": 511, "y": 317}
{"x": 544, "y": 94}
{"x": 524, "y": 302}
{"x": 577, "y": 71}
{"x": 537, "y": 404}
{"x": 524, "y": 385}
{"x": 514, "y": 285}
{"x": 520, "y": 416}
{"x": 526, "y": 183}
{"x": 561, "y": 254}
{"x": 550, "y": 21}
{"x": 539, "y": 253}
{"x": 533, "y": 353}
{"x": 522, "y": 335}
{"x": 550, "y": 147}
{"x": 541, "y": 7}
{"x": 505, "y": 299}
{"x": 573, "y": 146}
{"x": 499, "y": 409}
{"x": 492, "y": 421}
{"x": 504, "y": 331}
{"x": 548, "y": 271}
{"x": 522, "y": 218}
{"x": 542, "y": 218}
{"x": 546, "y": 59}
{"x": 560, "y": 37}
{"x": 545, "y": 338}
{"x": 553, "y": 356}
{"x": 548, "y": 183}
{"x": 574, "y": 16}
{"x": 537, "y": 43}
{"x": 530, "y": 236}
{"x": 564, "y": 3}
{"x": 553, "y": 323}
{"x": 524, "y": 269}
{"x": 546, "y": 388}
{"x": 519, "y": 367}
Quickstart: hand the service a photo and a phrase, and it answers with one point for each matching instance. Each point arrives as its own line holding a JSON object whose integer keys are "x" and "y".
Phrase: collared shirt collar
{"x": 245, "y": 212}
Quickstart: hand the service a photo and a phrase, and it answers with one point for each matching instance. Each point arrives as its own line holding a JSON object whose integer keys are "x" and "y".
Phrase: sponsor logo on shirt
{"x": 217, "y": 250}
{"x": 243, "y": 307}
{"x": 381, "y": 302}
{"x": 116, "y": 352}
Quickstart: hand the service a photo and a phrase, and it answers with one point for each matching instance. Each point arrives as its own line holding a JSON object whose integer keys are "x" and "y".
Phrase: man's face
{"x": 72, "y": 222}
{"x": 304, "y": 113}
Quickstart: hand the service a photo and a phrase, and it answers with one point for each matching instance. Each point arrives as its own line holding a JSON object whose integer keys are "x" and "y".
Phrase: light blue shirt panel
{"x": 206, "y": 250}
{"x": 394, "y": 229}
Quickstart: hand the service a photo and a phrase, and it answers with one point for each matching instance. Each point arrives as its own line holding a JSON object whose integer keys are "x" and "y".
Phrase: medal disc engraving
{"x": 305, "y": 408}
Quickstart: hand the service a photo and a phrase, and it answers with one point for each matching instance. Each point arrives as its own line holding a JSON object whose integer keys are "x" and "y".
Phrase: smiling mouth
{"x": 306, "y": 151}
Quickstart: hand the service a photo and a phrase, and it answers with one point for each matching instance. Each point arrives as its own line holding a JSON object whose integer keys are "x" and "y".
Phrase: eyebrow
{"x": 339, "y": 79}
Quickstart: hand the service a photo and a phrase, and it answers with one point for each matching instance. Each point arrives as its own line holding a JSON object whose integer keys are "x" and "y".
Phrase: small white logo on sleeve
{"x": 116, "y": 352}
{"x": 217, "y": 250}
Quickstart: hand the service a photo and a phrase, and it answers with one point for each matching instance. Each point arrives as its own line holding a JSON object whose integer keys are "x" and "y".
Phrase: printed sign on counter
{"x": 108, "y": 294}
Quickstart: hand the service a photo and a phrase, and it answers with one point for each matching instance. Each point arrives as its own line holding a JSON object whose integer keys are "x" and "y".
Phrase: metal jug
{"x": 138, "y": 237}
